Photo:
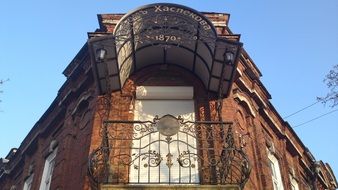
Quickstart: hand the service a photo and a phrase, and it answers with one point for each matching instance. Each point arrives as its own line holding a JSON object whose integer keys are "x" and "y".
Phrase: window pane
{"x": 28, "y": 183}
{"x": 169, "y": 170}
{"x": 275, "y": 172}
{"x": 48, "y": 171}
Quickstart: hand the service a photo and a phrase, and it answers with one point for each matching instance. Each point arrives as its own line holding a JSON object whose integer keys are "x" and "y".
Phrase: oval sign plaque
{"x": 168, "y": 125}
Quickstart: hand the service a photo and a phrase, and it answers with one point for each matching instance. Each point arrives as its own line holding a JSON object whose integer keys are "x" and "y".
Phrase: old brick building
{"x": 163, "y": 97}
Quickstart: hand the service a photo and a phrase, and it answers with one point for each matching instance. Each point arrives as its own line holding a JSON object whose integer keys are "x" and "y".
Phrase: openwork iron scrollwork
{"x": 187, "y": 159}
{"x": 153, "y": 157}
{"x": 202, "y": 152}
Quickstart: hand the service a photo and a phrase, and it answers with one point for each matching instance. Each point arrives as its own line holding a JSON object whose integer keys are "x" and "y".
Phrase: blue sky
{"x": 294, "y": 44}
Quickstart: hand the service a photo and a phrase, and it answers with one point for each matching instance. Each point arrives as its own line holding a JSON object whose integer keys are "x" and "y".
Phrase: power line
{"x": 315, "y": 118}
{"x": 318, "y": 117}
{"x": 301, "y": 109}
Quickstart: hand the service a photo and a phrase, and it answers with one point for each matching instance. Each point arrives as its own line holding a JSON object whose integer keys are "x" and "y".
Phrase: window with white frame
{"x": 28, "y": 182}
{"x": 48, "y": 170}
{"x": 275, "y": 172}
{"x": 294, "y": 184}
{"x": 160, "y": 101}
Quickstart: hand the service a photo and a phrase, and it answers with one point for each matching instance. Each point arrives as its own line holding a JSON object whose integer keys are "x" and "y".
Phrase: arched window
{"x": 46, "y": 178}
{"x": 275, "y": 172}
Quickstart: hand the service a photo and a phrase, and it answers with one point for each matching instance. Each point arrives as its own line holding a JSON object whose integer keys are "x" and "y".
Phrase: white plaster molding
{"x": 244, "y": 99}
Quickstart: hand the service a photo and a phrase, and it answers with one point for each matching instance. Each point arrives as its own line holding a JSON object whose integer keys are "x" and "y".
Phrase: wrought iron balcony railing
{"x": 168, "y": 150}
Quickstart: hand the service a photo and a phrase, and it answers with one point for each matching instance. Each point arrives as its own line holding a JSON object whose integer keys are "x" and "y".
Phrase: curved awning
{"x": 164, "y": 34}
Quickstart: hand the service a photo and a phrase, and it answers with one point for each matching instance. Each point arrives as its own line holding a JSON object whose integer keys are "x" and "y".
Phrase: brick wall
{"x": 74, "y": 122}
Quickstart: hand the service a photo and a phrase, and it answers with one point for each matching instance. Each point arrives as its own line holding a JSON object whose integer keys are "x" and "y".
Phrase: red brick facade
{"x": 74, "y": 120}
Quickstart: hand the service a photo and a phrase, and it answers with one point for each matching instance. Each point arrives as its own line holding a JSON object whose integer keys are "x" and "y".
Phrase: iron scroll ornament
{"x": 217, "y": 158}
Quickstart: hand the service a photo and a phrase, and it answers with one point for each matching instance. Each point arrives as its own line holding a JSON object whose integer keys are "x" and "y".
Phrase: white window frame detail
{"x": 28, "y": 182}
{"x": 48, "y": 171}
{"x": 294, "y": 184}
{"x": 275, "y": 172}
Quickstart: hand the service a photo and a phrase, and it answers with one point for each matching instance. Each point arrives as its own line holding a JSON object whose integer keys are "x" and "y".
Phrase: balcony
{"x": 168, "y": 152}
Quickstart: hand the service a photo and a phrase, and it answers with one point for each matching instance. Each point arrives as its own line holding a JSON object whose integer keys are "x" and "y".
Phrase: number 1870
{"x": 165, "y": 38}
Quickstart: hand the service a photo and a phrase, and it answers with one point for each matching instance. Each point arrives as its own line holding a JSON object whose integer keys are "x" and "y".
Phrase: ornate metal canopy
{"x": 164, "y": 34}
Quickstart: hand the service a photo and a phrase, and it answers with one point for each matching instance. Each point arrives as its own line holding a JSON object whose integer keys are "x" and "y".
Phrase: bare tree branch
{"x": 2, "y": 82}
{"x": 331, "y": 80}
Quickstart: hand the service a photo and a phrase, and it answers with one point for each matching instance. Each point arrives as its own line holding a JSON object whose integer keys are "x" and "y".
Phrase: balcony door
{"x": 162, "y": 165}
